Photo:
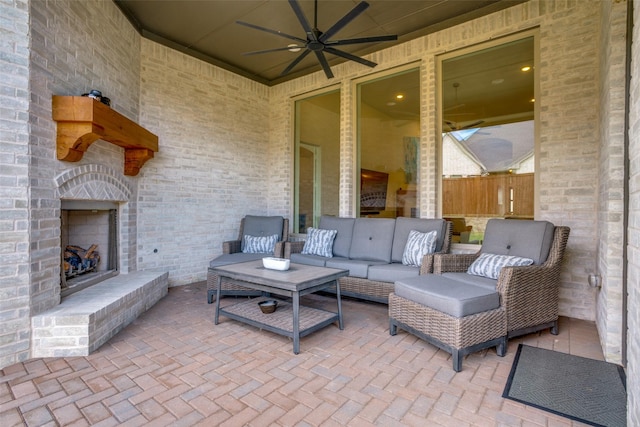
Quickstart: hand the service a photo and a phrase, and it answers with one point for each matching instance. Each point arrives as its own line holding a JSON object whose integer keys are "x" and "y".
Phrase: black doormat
{"x": 586, "y": 390}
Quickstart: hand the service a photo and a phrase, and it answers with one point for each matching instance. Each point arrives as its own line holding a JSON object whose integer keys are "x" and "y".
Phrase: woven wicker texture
{"x": 282, "y": 318}
{"x": 458, "y": 332}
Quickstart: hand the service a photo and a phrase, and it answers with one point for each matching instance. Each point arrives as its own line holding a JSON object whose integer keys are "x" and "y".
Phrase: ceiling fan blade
{"x": 361, "y": 40}
{"x": 295, "y": 62}
{"x": 351, "y": 15}
{"x": 276, "y": 32}
{"x": 324, "y": 63}
{"x": 311, "y": 35}
{"x": 277, "y": 49}
{"x": 472, "y": 125}
{"x": 350, "y": 56}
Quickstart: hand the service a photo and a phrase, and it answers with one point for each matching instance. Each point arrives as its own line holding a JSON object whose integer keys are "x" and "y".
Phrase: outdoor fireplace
{"x": 89, "y": 240}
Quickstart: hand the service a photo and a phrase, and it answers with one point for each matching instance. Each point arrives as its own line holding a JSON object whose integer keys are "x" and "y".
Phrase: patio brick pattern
{"x": 173, "y": 366}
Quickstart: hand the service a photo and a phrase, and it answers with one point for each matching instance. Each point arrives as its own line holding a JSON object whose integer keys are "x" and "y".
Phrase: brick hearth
{"x": 89, "y": 318}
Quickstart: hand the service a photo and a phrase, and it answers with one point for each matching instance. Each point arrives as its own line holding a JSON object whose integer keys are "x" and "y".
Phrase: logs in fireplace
{"x": 78, "y": 260}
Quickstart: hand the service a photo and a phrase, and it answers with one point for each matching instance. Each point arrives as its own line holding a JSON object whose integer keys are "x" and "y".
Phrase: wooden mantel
{"x": 83, "y": 120}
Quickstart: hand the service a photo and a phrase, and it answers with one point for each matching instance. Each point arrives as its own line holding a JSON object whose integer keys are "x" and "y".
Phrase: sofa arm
{"x": 452, "y": 263}
{"x": 530, "y": 294}
{"x": 426, "y": 266}
{"x": 293, "y": 248}
{"x": 231, "y": 246}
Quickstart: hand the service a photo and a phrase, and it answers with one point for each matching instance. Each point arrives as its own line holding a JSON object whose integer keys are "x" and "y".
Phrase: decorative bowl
{"x": 273, "y": 263}
{"x": 268, "y": 306}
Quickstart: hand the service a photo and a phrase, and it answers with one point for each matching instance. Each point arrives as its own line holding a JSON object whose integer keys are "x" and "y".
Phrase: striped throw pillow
{"x": 489, "y": 265}
{"x": 319, "y": 242}
{"x": 259, "y": 244}
{"x": 417, "y": 246}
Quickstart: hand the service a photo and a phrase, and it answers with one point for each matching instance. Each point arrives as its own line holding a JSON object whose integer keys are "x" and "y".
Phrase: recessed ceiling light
{"x": 399, "y": 96}
{"x": 526, "y": 68}
{"x": 293, "y": 47}
{"x": 497, "y": 81}
{"x": 532, "y": 100}
{"x": 391, "y": 104}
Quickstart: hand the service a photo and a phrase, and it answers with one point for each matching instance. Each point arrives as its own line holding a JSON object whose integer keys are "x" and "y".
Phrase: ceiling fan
{"x": 454, "y": 126}
{"x": 319, "y": 42}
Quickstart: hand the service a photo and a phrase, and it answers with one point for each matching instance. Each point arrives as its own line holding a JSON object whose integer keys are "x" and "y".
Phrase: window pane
{"x": 488, "y": 137}
{"x": 317, "y": 161}
{"x": 389, "y": 130}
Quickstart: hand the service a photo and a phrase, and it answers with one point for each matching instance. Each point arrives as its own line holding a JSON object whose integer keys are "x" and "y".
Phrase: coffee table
{"x": 289, "y": 319}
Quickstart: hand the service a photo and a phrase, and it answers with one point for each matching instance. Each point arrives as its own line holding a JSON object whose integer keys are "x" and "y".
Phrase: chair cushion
{"x": 405, "y": 225}
{"x": 418, "y": 245}
{"x": 523, "y": 238}
{"x": 471, "y": 279}
{"x": 319, "y": 242}
{"x": 234, "y": 258}
{"x": 357, "y": 268}
{"x": 262, "y": 226}
{"x": 372, "y": 239}
{"x": 259, "y": 245}
{"x": 344, "y": 227}
{"x": 391, "y": 272}
{"x": 489, "y": 265}
{"x": 316, "y": 260}
{"x": 454, "y": 298}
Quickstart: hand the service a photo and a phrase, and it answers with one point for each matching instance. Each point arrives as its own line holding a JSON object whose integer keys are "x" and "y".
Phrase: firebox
{"x": 89, "y": 244}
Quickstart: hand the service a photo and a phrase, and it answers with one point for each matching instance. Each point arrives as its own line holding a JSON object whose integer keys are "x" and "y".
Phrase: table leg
{"x": 339, "y": 299}
{"x": 296, "y": 322}
{"x": 215, "y": 319}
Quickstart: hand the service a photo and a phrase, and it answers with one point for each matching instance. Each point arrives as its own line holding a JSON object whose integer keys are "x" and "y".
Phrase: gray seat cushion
{"x": 227, "y": 259}
{"x": 372, "y": 239}
{"x": 392, "y": 272}
{"x": 423, "y": 225}
{"x": 472, "y": 279}
{"x": 523, "y": 238}
{"x": 318, "y": 261}
{"x": 357, "y": 268}
{"x": 344, "y": 226}
{"x": 449, "y": 296}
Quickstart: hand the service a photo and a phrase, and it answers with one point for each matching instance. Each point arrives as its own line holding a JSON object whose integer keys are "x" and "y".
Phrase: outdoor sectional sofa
{"x": 372, "y": 249}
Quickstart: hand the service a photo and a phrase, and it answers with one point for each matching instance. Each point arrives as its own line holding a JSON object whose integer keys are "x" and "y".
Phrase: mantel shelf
{"x": 83, "y": 120}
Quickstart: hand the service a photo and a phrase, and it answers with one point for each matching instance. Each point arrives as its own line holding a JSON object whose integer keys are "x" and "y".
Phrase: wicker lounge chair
{"x": 522, "y": 300}
{"x": 232, "y": 252}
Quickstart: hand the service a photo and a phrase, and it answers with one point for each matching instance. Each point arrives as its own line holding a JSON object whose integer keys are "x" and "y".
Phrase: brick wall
{"x": 14, "y": 179}
{"x": 61, "y": 48}
{"x": 633, "y": 248}
{"x": 611, "y": 172}
{"x": 214, "y": 163}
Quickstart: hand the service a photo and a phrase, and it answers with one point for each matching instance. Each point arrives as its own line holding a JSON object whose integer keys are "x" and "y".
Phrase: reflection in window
{"x": 389, "y": 129}
{"x": 317, "y": 159}
{"x": 488, "y": 138}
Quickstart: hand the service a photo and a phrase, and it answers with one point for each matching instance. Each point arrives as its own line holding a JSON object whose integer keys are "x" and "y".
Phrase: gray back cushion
{"x": 372, "y": 239}
{"x": 523, "y": 238}
{"x": 423, "y": 225}
{"x": 262, "y": 226}
{"x": 342, "y": 242}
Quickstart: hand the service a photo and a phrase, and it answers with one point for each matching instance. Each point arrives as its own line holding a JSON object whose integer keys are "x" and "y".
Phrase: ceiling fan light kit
{"x": 319, "y": 42}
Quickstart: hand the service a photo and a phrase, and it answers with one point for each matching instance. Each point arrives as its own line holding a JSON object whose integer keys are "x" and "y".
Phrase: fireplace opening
{"x": 89, "y": 244}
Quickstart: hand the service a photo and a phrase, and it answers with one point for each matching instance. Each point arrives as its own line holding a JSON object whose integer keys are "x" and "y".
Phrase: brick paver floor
{"x": 173, "y": 366}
